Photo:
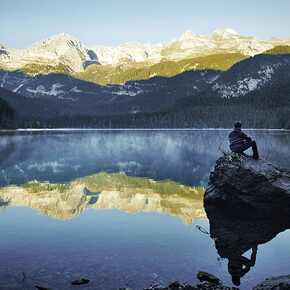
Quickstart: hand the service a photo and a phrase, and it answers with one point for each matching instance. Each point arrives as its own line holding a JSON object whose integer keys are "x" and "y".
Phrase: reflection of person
{"x": 236, "y": 265}
{"x": 239, "y": 141}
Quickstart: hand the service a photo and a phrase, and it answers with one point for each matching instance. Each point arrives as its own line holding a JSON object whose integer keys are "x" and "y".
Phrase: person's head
{"x": 236, "y": 280}
{"x": 238, "y": 125}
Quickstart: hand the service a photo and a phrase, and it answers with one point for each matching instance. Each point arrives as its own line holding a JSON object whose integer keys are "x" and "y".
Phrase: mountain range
{"x": 65, "y": 54}
{"x": 107, "y": 191}
{"x": 206, "y": 81}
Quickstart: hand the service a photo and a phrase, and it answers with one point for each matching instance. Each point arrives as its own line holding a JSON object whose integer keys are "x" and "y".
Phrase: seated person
{"x": 239, "y": 141}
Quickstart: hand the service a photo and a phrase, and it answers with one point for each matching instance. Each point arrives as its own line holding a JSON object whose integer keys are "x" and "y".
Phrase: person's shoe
{"x": 256, "y": 156}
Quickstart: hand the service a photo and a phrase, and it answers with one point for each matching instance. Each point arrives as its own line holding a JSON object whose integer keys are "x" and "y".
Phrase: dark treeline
{"x": 8, "y": 119}
{"x": 197, "y": 112}
{"x": 267, "y": 108}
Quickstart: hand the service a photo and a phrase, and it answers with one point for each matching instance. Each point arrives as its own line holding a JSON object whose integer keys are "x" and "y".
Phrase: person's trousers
{"x": 247, "y": 145}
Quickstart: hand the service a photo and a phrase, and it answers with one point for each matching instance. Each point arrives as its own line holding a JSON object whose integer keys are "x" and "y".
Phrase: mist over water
{"x": 119, "y": 208}
{"x": 183, "y": 156}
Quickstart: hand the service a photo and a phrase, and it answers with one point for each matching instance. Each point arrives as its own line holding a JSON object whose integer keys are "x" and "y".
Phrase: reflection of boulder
{"x": 107, "y": 191}
{"x": 233, "y": 237}
{"x": 278, "y": 282}
{"x": 249, "y": 187}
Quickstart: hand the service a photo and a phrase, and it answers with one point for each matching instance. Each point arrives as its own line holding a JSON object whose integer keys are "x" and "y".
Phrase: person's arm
{"x": 246, "y": 137}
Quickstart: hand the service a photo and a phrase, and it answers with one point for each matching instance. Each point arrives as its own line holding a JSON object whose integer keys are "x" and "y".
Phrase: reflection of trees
{"x": 107, "y": 191}
{"x": 183, "y": 156}
{"x": 233, "y": 237}
{"x": 7, "y": 147}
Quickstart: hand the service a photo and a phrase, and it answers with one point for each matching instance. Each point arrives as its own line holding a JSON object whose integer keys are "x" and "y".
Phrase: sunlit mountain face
{"x": 107, "y": 191}
{"x": 65, "y": 54}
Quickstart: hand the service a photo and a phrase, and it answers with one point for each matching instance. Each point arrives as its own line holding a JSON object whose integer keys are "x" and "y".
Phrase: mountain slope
{"x": 252, "y": 74}
{"x": 256, "y": 88}
{"x": 61, "y": 50}
{"x": 107, "y": 74}
{"x": 279, "y": 49}
{"x": 132, "y": 61}
{"x": 73, "y": 96}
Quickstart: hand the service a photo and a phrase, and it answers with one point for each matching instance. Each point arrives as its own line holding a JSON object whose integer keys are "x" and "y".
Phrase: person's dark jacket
{"x": 237, "y": 139}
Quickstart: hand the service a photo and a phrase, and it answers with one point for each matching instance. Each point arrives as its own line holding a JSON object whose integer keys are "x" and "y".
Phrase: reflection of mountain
{"x": 233, "y": 237}
{"x": 107, "y": 191}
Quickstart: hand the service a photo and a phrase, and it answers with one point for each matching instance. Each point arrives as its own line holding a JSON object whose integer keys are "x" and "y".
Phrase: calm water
{"x": 121, "y": 208}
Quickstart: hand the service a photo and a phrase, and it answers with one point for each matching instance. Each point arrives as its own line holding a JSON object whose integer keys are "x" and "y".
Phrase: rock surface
{"x": 249, "y": 188}
{"x": 176, "y": 285}
{"x": 279, "y": 282}
{"x": 80, "y": 282}
{"x": 205, "y": 276}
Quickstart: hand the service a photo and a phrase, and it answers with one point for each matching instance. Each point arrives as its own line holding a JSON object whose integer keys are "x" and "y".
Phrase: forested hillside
{"x": 107, "y": 74}
{"x": 256, "y": 110}
{"x": 7, "y": 115}
{"x": 255, "y": 91}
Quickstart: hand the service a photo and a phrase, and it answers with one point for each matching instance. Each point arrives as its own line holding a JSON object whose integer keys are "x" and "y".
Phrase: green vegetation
{"x": 234, "y": 156}
{"x": 39, "y": 187}
{"x": 120, "y": 181}
{"x": 67, "y": 200}
{"x": 109, "y": 181}
{"x": 33, "y": 69}
{"x": 128, "y": 70}
{"x": 107, "y": 74}
{"x": 279, "y": 49}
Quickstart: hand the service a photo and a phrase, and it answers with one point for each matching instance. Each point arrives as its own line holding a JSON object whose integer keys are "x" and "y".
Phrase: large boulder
{"x": 278, "y": 283}
{"x": 249, "y": 188}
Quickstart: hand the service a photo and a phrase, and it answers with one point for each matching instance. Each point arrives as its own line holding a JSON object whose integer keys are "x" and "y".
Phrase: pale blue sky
{"x": 113, "y": 22}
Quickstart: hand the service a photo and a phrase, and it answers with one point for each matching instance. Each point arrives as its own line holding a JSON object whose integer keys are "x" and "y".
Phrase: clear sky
{"x": 113, "y": 22}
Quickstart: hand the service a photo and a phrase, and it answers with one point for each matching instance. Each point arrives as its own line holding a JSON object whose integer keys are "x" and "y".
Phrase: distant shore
{"x": 138, "y": 129}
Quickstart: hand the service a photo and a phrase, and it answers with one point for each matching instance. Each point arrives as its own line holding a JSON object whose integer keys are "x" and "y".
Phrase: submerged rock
{"x": 205, "y": 285}
{"x": 205, "y": 276}
{"x": 249, "y": 187}
{"x": 80, "y": 282}
{"x": 279, "y": 282}
{"x": 41, "y": 288}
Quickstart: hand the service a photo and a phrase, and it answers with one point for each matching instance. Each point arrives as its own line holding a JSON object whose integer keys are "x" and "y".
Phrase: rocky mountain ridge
{"x": 107, "y": 191}
{"x": 250, "y": 75}
{"x": 63, "y": 53}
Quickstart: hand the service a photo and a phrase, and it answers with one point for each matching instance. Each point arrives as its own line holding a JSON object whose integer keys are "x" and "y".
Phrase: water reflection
{"x": 107, "y": 191}
{"x": 184, "y": 156}
{"x": 234, "y": 237}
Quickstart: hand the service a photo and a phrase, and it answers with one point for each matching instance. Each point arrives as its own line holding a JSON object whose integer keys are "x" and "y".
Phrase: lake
{"x": 121, "y": 208}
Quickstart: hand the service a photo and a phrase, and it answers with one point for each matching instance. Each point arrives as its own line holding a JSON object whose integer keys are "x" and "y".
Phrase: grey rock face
{"x": 249, "y": 188}
{"x": 279, "y": 282}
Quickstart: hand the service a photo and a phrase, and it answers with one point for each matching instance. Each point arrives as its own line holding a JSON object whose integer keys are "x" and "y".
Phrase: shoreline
{"x": 137, "y": 129}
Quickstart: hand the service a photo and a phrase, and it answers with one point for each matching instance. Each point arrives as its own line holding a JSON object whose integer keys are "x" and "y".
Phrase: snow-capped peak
{"x": 188, "y": 35}
{"x": 279, "y": 41}
{"x": 224, "y": 32}
{"x": 71, "y": 53}
{"x": 56, "y": 41}
{"x": 58, "y": 47}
